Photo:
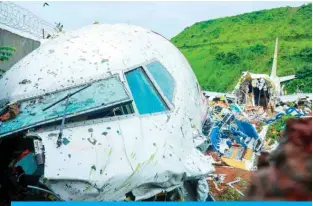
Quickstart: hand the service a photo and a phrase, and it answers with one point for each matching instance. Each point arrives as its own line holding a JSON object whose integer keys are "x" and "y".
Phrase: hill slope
{"x": 219, "y": 50}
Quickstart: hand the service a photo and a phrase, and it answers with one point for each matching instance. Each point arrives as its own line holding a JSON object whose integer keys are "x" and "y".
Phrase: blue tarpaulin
{"x": 247, "y": 129}
{"x": 215, "y": 139}
{"x": 288, "y": 111}
{"x": 229, "y": 143}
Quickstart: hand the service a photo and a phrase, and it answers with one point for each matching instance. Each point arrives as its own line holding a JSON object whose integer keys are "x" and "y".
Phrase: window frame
{"x": 52, "y": 120}
{"x": 143, "y": 66}
{"x": 122, "y": 77}
{"x": 154, "y": 87}
{"x": 171, "y": 104}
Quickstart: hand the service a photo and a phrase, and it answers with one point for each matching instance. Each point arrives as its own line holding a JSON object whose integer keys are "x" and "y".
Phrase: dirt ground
{"x": 231, "y": 175}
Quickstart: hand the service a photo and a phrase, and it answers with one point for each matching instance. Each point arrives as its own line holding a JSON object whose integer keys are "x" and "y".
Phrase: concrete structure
{"x": 23, "y": 46}
{"x": 22, "y": 30}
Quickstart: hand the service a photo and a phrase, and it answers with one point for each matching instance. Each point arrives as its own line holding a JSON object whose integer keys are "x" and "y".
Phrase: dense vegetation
{"x": 275, "y": 130}
{"x": 303, "y": 81}
{"x": 219, "y": 50}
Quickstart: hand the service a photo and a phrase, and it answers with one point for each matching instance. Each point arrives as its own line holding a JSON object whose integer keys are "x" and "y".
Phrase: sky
{"x": 166, "y": 18}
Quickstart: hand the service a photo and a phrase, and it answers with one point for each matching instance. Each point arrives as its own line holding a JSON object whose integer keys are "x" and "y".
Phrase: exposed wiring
{"x": 44, "y": 190}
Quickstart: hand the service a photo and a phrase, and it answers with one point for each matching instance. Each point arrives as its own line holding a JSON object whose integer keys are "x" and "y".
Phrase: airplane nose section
{"x": 105, "y": 160}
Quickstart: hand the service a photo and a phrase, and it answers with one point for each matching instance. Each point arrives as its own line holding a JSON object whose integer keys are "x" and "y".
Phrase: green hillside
{"x": 220, "y": 49}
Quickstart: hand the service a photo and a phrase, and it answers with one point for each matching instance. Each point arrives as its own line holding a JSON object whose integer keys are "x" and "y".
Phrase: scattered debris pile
{"x": 228, "y": 179}
{"x": 238, "y": 135}
{"x": 9, "y": 112}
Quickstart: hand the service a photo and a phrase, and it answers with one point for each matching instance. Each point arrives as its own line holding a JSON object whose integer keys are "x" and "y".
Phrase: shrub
{"x": 258, "y": 49}
{"x": 220, "y": 56}
{"x": 232, "y": 58}
{"x": 229, "y": 58}
{"x": 215, "y": 33}
{"x": 230, "y": 194}
{"x": 306, "y": 54}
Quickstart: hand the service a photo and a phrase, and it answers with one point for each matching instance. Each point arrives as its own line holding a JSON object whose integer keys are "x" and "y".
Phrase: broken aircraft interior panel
{"x": 255, "y": 90}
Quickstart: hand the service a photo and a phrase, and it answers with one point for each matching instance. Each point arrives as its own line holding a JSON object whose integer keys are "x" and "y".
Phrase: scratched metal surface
{"x": 103, "y": 160}
{"x": 107, "y": 160}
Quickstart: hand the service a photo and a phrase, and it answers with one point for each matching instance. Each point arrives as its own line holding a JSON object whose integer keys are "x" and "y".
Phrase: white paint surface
{"x": 138, "y": 150}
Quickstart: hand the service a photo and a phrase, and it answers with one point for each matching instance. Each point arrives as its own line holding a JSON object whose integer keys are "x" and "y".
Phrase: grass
{"x": 230, "y": 194}
{"x": 275, "y": 128}
{"x": 220, "y": 50}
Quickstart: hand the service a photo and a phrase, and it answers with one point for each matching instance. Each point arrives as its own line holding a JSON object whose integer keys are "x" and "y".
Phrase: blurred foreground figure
{"x": 288, "y": 175}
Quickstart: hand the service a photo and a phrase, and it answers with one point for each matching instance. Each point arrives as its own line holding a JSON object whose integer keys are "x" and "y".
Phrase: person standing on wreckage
{"x": 287, "y": 173}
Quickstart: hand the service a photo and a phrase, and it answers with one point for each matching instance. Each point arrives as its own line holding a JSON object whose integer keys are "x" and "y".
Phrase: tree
{"x": 306, "y": 54}
{"x": 258, "y": 49}
{"x": 232, "y": 58}
{"x": 220, "y": 56}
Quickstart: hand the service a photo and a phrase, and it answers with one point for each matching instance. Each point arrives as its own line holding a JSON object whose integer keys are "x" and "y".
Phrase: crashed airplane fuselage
{"x": 106, "y": 110}
{"x": 261, "y": 89}
{"x": 266, "y": 90}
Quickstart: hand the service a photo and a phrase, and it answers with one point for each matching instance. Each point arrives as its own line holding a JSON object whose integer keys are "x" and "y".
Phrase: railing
{"x": 23, "y": 20}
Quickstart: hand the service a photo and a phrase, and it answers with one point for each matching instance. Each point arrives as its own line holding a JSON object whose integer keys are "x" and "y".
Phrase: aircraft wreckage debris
{"x": 162, "y": 151}
{"x": 65, "y": 141}
{"x": 239, "y": 138}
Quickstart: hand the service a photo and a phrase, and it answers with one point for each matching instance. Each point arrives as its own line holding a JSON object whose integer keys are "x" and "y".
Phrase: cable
{"x": 44, "y": 190}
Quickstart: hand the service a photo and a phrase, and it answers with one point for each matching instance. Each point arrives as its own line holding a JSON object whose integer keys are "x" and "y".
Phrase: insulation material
{"x": 202, "y": 190}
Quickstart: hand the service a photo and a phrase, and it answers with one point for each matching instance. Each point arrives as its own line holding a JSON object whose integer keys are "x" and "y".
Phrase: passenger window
{"x": 163, "y": 78}
{"x": 145, "y": 95}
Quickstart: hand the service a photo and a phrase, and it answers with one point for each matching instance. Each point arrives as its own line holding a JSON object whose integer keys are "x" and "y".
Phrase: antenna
{"x": 274, "y": 67}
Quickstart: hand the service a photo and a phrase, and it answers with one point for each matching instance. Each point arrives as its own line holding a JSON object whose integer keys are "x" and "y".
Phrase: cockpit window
{"x": 107, "y": 97}
{"x": 145, "y": 95}
{"x": 163, "y": 78}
